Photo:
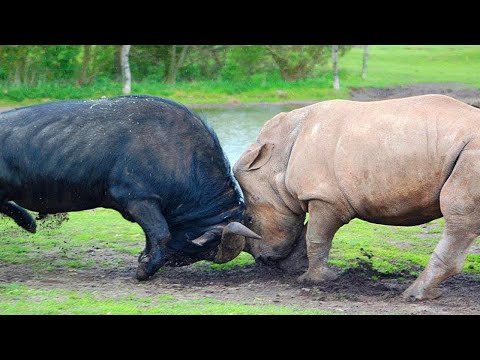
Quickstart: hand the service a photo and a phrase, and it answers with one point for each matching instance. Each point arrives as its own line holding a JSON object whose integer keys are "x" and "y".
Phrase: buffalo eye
{"x": 249, "y": 219}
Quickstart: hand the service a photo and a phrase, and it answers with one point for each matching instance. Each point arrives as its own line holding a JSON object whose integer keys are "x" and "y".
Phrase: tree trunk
{"x": 336, "y": 80}
{"x": 20, "y": 61}
{"x": 85, "y": 63}
{"x": 172, "y": 71}
{"x": 27, "y": 70}
{"x": 20, "y": 70}
{"x": 17, "y": 79}
{"x": 125, "y": 64}
{"x": 117, "y": 63}
{"x": 183, "y": 55}
{"x": 33, "y": 78}
{"x": 365, "y": 62}
{"x": 281, "y": 62}
{"x": 174, "y": 63}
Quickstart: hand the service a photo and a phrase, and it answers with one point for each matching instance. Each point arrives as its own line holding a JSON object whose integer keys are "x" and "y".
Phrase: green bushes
{"x": 219, "y": 74}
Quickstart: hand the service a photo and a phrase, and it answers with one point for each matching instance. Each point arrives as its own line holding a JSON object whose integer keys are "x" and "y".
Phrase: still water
{"x": 238, "y": 127}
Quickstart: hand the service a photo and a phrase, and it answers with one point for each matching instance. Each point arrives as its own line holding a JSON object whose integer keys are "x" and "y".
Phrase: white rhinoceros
{"x": 395, "y": 162}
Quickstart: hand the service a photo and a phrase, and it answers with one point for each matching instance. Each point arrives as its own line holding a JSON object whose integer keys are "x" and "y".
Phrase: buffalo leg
{"x": 148, "y": 215}
{"x": 21, "y": 216}
{"x": 460, "y": 205}
{"x": 322, "y": 226}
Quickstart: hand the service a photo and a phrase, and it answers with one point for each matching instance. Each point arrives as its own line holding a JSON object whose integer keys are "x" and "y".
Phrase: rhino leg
{"x": 297, "y": 261}
{"x": 147, "y": 214}
{"x": 460, "y": 205}
{"x": 21, "y": 216}
{"x": 447, "y": 260}
{"x": 322, "y": 226}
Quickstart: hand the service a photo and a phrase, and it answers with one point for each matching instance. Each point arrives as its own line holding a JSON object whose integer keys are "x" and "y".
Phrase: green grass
{"x": 69, "y": 245}
{"x": 242, "y": 260}
{"x": 395, "y": 249}
{"x": 72, "y": 247}
{"x": 395, "y": 65}
{"x": 85, "y": 232}
{"x": 20, "y": 299}
{"x": 388, "y": 65}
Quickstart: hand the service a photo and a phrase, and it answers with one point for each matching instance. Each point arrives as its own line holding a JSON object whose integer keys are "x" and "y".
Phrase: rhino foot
{"x": 317, "y": 277}
{"x": 414, "y": 293}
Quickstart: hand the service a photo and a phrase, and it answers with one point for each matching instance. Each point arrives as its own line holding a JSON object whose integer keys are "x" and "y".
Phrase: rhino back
{"x": 382, "y": 161}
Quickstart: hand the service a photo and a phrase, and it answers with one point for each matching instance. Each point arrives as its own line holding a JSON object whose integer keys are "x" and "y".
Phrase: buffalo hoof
{"x": 142, "y": 273}
{"x": 414, "y": 293}
{"x": 317, "y": 277}
{"x": 148, "y": 265}
{"x": 142, "y": 255}
{"x": 31, "y": 227}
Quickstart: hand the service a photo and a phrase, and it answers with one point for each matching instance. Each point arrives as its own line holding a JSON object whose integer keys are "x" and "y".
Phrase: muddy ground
{"x": 354, "y": 292}
{"x": 459, "y": 91}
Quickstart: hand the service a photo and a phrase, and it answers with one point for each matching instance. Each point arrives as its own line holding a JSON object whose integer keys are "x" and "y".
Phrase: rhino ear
{"x": 256, "y": 156}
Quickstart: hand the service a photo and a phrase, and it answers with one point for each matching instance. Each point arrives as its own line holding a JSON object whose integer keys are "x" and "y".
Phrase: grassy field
{"x": 20, "y": 299}
{"x": 388, "y": 65}
{"x": 389, "y": 249}
{"x": 67, "y": 248}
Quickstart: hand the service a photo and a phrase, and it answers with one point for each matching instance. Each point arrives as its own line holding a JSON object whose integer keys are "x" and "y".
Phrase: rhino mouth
{"x": 293, "y": 261}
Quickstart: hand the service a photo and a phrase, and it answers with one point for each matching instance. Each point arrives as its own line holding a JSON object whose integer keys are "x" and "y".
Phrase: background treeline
{"x": 83, "y": 65}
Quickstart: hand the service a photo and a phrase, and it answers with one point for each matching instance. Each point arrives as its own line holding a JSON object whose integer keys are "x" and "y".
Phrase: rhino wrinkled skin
{"x": 395, "y": 162}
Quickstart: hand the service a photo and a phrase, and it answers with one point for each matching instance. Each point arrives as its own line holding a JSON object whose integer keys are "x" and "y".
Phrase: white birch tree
{"x": 126, "y": 74}
{"x": 365, "y": 62}
{"x": 336, "y": 80}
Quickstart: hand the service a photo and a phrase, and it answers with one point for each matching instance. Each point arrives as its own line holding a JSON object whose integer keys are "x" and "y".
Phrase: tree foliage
{"x": 84, "y": 64}
{"x": 297, "y": 61}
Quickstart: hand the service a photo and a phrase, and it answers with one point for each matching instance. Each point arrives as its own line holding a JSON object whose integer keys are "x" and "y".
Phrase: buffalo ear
{"x": 257, "y": 156}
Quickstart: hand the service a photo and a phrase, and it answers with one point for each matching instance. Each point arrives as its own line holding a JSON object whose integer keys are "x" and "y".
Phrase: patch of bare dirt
{"x": 459, "y": 91}
{"x": 354, "y": 292}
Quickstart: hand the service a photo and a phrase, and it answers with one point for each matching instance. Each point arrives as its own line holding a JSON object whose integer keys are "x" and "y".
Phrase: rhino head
{"x": 259, "y": 174}
{"x": 270, "y": 208}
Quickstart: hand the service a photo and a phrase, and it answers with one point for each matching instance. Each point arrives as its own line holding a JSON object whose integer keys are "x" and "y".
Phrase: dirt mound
{"x": 459, "y": 91}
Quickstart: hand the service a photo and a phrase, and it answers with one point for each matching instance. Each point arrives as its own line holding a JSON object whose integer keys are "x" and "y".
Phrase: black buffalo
{"x": 151, "y": 159}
